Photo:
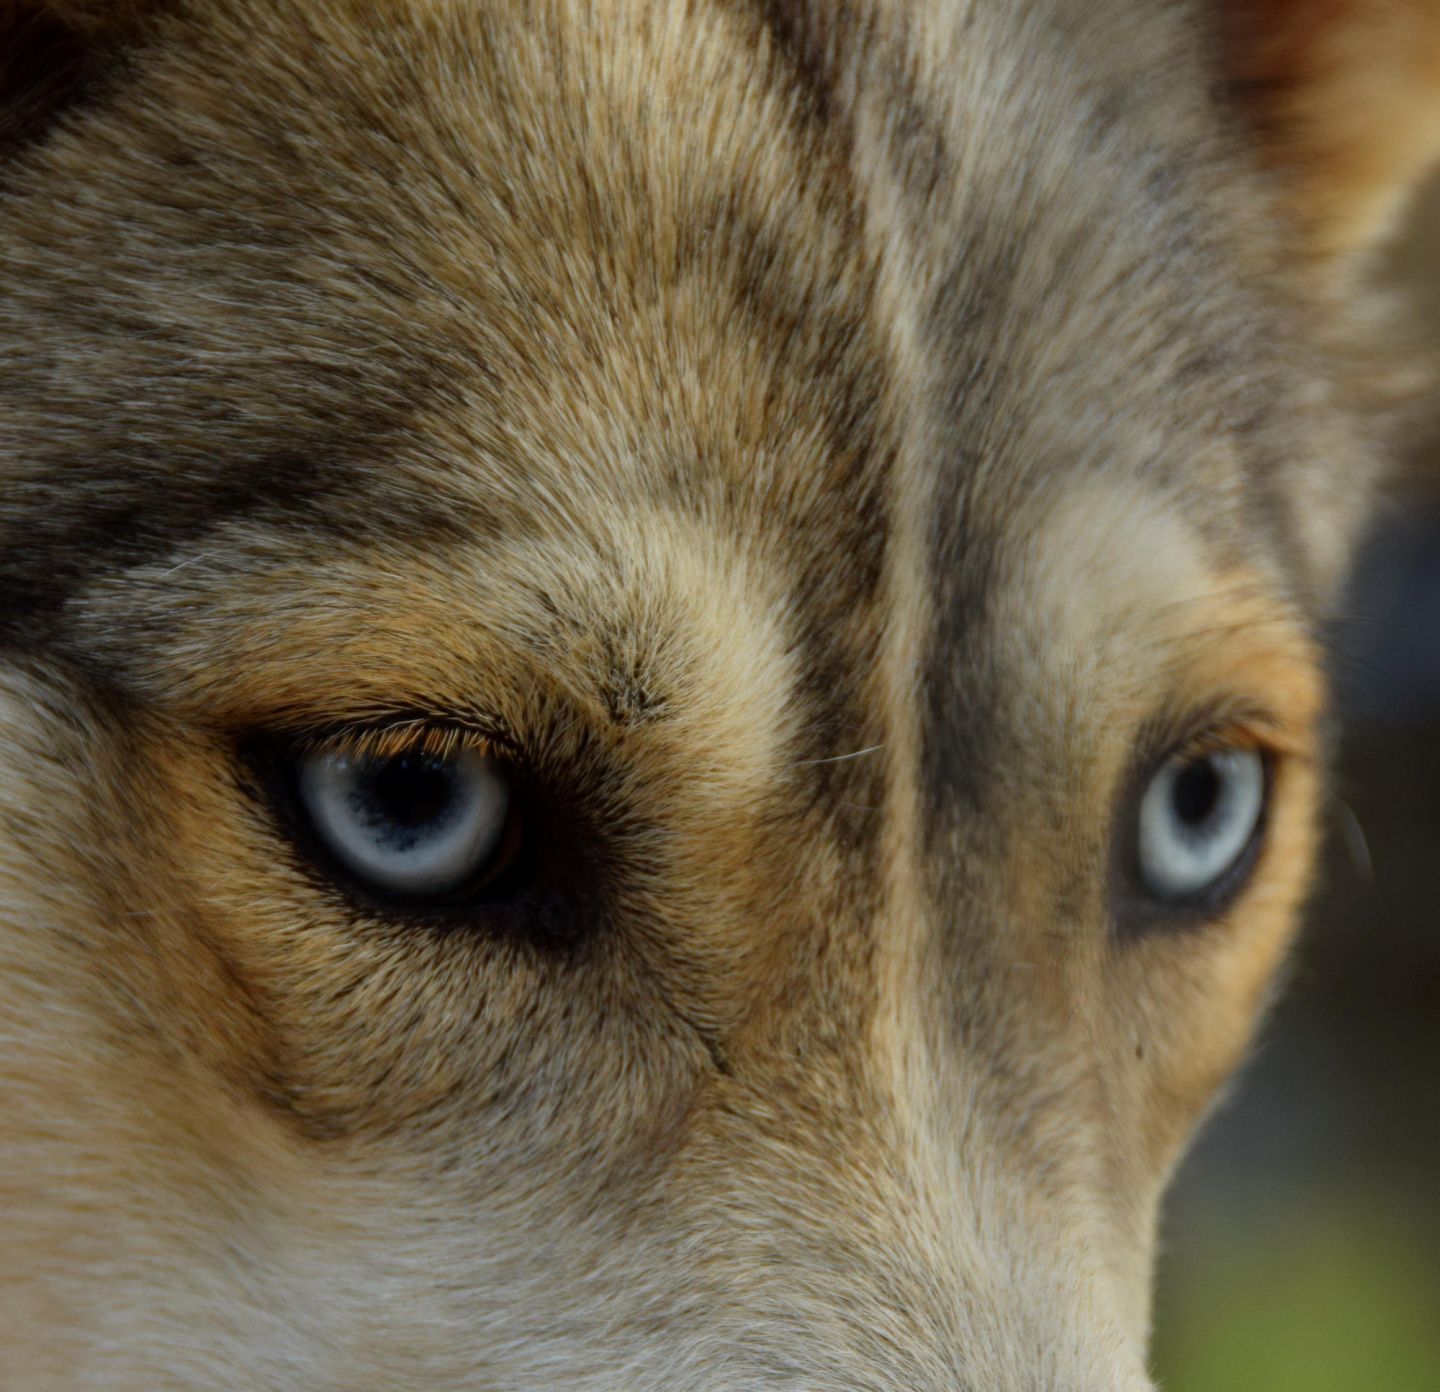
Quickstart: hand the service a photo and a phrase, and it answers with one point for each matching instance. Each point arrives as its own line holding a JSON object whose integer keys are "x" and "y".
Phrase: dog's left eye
{"x": 415, "y": 824}
{"x": 1200, "y": 818}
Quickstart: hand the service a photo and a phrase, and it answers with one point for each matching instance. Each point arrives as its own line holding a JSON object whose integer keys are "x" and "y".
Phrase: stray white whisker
{"x": 839, "y": 758}
{"x": 189, "y": 560}
{"x": 1356, "y": 843}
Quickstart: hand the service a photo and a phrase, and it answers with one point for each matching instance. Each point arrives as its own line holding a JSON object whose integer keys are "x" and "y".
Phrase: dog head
{"x": 661, "y": 711}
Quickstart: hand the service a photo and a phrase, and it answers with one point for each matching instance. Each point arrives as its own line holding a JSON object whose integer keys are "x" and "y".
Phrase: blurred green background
{"x": 1302, "y": 1242}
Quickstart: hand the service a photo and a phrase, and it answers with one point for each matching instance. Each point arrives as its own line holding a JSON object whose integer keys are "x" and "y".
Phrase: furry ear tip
{"x": 1344, "y": 99}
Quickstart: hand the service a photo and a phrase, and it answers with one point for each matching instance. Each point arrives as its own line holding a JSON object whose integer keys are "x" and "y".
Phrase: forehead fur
{"x": 507, "y": 266}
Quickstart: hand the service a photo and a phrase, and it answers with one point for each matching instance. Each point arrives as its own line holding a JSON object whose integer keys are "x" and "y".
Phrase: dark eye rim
{"x": 273, "y": 761}
{"x": 1136, "y": 910}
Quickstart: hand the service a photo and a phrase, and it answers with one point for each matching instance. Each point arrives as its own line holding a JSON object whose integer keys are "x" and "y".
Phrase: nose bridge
{"x": 870, "y": 1277}
{"x": 999, "y": 1125}
{"x": 883, "y": 1228}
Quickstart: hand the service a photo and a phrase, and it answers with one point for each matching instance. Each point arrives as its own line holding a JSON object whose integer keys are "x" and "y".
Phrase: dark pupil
{"x": 1197, "y": 790}
{"x": 407, "y": 792}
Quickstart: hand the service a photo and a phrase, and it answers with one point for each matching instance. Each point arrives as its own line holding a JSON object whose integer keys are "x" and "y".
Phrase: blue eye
{"x": 414, "y": 823}
{"x": 1199, "y": 817}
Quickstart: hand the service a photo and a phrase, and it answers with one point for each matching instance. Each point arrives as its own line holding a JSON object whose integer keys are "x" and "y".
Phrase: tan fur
{"x": 1347, "y": 93}
{"x": 830, "y": 454}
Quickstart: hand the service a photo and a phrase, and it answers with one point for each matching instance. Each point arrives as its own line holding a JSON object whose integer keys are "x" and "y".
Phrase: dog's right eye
{"x": 416, "y": 824}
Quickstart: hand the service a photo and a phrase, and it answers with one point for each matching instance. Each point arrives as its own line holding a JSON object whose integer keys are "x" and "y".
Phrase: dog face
{"x": 661, "y": 716}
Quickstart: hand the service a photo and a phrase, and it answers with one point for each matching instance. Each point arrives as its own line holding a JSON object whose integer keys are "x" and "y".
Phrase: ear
{"x": 1344, "y": 96}
{"x": 53, "y": 55}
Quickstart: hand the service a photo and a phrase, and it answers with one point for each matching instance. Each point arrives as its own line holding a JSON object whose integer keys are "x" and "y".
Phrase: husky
{"x": 662, "y": 689}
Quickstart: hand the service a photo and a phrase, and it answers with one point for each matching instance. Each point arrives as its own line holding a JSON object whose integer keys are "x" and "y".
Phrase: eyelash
{"x": 413, "y": 735}
{"x": 1212, "y": 730}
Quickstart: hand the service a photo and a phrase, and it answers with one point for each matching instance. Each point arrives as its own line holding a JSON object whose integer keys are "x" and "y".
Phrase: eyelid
{"x": 1225, "y": 725}
{"x": 441, "y": 738}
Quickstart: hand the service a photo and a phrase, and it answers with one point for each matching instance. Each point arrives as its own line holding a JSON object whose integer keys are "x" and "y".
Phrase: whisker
{"x": 188, "y": 561}
{"x": 839, "y": 758}
{"x": 1353, "y": 835}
